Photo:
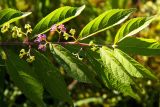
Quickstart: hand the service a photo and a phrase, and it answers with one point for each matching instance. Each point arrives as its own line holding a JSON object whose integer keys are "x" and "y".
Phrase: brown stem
{"x": 73, "y": 43}
{"x": 62, "y": 43}
{"x": 16, "y": 43}
{"x": 72, "y": 85}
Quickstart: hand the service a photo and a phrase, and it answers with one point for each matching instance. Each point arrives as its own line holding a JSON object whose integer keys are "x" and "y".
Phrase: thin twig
{"x": 72, "y": 43}
{"x": 72, "y": 85}
{"x": 62, "y": 43}
{"x": 15, "y": 43}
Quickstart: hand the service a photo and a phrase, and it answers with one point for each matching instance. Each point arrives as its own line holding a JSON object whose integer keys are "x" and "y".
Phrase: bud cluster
{"x": 24, "y": 54}
{"x": 42, "y": 42}
{"x": 62, "y": 28}
{"x": 5, "y": 28}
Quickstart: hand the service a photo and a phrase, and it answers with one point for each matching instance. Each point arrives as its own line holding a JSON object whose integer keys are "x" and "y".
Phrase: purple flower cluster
{"x": 53, "y": 28}
{"x": 41, "y": 40}
{"x": 42, "y": 47}
{"x": 60, "y": 27}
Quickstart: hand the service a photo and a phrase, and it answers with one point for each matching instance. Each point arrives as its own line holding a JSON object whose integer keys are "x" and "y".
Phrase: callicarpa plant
{"x": 27, "y": 53}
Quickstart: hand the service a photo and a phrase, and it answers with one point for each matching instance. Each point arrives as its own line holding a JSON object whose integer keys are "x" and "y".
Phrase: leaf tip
{"x": 26, "y": 14}
{"x": 80, "y": 9}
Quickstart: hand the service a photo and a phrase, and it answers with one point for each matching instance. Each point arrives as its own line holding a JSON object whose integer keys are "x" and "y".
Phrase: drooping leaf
{"x": 140, "y": 46}
{"x": 50, "y": 78}
{"x": 11, "y": 15}
{"x": 117, "y": 75}
{"x": 132, "y": 27}
{"x": 105, "y": 21}
{"x": 58, "y": 16}
{"x": 135, "y": 68}
{"x": 77, "y": 69}
{"x": 97, "y": 66}
{"x": 25, "y": 78}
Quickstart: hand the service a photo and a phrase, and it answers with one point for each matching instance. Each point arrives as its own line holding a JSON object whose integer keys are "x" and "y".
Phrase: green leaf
{"x": 105, "y": 21}
{"x": 134, "y": 67}
{"x": 140, "y": 46}
{"x": 58, "y": 16}
{"x": 25, "y": 78}
{"x": 97, "y": 66}
{"x": 2, "y": 74}
{"x": 11, "y": 15}
{"x": 2, "y": 82}
{"x": 2, "y": 54}
{"x": 119, "y": 3}
{"x": 117, "y": 75}
{"x": 51, "y": 78}
{"x": 77, "y": 69}
{"x": 132, "y": 27}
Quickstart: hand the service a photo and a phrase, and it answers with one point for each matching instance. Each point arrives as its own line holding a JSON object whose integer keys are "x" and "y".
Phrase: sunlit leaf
{"x": 11, "y": 15}
{"x": 140, "y": 46}
{"x": 117, "y": 75}
{"x": 58, "y": 16}
{"x": 132, "y": 27}
{"x": 97, "y": 66}
{"x": 105, "y": 21}
{"x": 134, "y": 68}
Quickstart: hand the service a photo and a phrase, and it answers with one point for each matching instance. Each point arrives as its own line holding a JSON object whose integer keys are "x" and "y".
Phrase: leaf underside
{"x": 76, "y": 68}
{"x": 117, "y": 75}
{"x": 134, "y": 67}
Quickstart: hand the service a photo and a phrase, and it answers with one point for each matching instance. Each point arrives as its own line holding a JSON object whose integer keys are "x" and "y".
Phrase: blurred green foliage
{"x": 85, "y": 95}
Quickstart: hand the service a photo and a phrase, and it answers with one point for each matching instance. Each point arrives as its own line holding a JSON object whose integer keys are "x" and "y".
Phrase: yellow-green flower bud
{"x": 3, "y": 55}
{"x": 14, "y": 35}
{"x": 28, "y": 27}
{"x": 91, "y": 43}
{"x": 30, "y": 59}
{"x": 22, "y": 53}
{"x": 66, "y": 36}
{"x": 72, "y": 31}
{"x": 5, "y": 28}
{"x": 16, "y": 32}
{"x": 94, "y": 48}
{"x": 14, "y": 28}
{"x": 29, "y": 30}
{"x": 19, "y": 32}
